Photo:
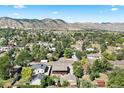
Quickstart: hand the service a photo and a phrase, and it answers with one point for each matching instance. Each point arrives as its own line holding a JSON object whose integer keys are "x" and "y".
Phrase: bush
{"x": 65, "y": 83}
{"x": 86, "y": 84}
{"x": 47, "y": 81}
{"x": 94, "y": 75}
{"x": 116, "y": 79}
{"x": 26, "y": 73}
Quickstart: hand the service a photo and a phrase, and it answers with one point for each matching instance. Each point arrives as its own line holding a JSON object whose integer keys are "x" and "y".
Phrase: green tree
{"x": 26, "y": 73}
{"x": 94, "y": 75}
{"x": 3, "y": 42}
{"x": 65, "y": 83}
{"x": 23, "y": 57}
{"x": 116, "y": 79}
{"x": 80, "y": 54}
{"x": 120, "y": 55}
{"x": 101, "y": 65}
{"x": 78, "y": 70}
{"x": 4, "y": 65}
{"x": 68, "y": 52}
{"x": 39, "y": 53}
{"x": 103, "y": 47}
{"x": 84, "y": 61}
{"x": 109, "y": 56}
{"x": 47, "y": 81}
{"x": 86, "y": 84}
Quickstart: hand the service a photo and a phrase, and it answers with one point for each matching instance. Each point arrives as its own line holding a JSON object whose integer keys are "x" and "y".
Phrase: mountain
{"x": 56, "y": 24}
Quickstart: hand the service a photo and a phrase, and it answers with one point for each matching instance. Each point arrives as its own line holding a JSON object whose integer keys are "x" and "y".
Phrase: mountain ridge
{"x": 57, "y": 24}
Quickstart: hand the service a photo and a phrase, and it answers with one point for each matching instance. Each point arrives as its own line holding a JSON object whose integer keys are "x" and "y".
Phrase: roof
{"x": 43, "y": 61}
{"x": 39, "y": 76}
{"x": 33, "y": 63}
{"x": 117, "y": 62}
{"x": 96, "y": 55}
{"x": 39, "y": 66}
{"x": 16, "y": 67}
{"x": 90, "y": 49}
{"x": 57, "y": 66}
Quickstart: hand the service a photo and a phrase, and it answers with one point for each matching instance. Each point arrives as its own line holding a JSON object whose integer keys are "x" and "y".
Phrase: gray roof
{"x": 117, "y": 62}
{"x": 96, "y": 55}
{"x": 39, "y": 76}
{"x": 58, "y": 66}
{"x": 39, "y": 66}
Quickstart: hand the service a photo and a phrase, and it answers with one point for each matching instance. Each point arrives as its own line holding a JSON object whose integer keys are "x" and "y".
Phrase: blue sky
{"x": 69, "y": 13}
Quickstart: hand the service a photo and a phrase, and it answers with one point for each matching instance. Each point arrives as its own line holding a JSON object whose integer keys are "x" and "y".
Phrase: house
{"x": 43, "y": 61}
{"x": 100, "y": 83}
{"x": 5, "y": 49}
{"x": 60, "y": 68}
{"x": 70, "y": 78}
{"x": 36, "y": 79}
{"x": 93, "y": 56}
{"x": 89, "y": 49}
{"x": 39, "y": 68}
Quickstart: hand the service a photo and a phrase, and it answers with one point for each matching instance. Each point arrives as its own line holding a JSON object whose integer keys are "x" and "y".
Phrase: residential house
{"x": 39, "y": 68}
{"x": 60, "y": 69}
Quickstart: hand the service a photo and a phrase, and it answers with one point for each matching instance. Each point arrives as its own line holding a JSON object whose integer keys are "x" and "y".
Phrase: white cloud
{"x": 19, "y": 6}
{"x": 114, "y": 9}
{"x": 55, "y": 12}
